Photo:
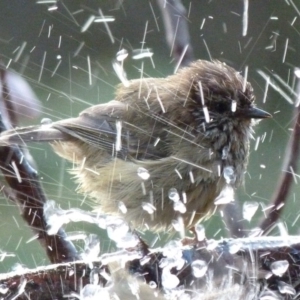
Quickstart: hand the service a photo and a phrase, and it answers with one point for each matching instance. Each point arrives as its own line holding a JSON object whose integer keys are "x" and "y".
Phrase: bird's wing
{"x": 110, "y": 127}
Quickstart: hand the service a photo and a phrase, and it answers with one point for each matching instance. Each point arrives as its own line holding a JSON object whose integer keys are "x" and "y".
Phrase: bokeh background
{"x": 58, "y": 73}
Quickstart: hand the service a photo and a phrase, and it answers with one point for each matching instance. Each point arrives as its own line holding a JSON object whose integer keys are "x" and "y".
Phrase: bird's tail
{"x": 40, "y": 133}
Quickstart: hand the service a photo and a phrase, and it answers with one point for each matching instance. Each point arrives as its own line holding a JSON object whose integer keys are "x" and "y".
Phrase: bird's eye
{"x": 221, "y": 107}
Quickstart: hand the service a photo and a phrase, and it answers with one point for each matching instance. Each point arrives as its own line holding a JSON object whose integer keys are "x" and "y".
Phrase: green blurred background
{"x": 56, "y": 35}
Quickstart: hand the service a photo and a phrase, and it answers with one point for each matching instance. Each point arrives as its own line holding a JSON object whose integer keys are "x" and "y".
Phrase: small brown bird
{"x": 164, "y": 148}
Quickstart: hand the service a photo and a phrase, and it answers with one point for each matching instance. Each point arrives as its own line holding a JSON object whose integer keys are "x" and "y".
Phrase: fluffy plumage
{"x": 185, "y": 130}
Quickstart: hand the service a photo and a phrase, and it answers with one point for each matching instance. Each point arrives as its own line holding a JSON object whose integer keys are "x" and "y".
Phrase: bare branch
{"x": 287, "y": 176}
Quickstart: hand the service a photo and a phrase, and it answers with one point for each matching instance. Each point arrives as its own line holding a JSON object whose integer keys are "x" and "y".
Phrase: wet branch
{"x": 26, "y": 191}
{"x": 234, "y": 259}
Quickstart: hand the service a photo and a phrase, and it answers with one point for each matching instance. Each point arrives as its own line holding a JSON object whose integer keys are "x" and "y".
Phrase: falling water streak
{"x": 187, "y": 95}
{"x": 245, "y": 17}
{"x": 291, "y": 90}
{"x": 49, "y": 31}
{"x": 207, "y": 49}
{"x": 18, "y": 55}
{"x": 285, "y": 50}
{"x": 42, "y": 66}
{"x": 13, "y": 163}
{"x": 178, "y": 173}
{"x": 181, "y": 58}
{"x": 155, "y": 20}
{"x": 202, "y": 24}
{"x": 266, "y": 89}
{"x": 88, "y": 23}
{"x": 141, "y": 80}
{"x": 159, "y": 101}
{"x": 118, "y": 136}
{"x": 294, "y": 175}
{"x": 52, "y": 8}
{"x": 89, "y": 70}
{"x": 41, "y": 30}
{"x": 112, "y": 39}
{"x": 201, "y": 92}
{"x": 17, "y": 247}
{"x": 59, "y": 42}
{"x": 206, "y": 114}
{"x": 56, "y": 67}
{"x": 245, "y": 78}
{"x": 141, "y": 53}
{"x": 191, "y": 164}
{"x": 120, "y": 73}
{"x": 78, "y": 49}
{"x": 295, "y": 7}
{"x": 257, "y": 143}
{"x": 8, "y": 64}
{"x": 69, "y": 13}
{"x": 275, "y": 87}
{"x": 144, "y": 36}
{"x": 174, "y": 37}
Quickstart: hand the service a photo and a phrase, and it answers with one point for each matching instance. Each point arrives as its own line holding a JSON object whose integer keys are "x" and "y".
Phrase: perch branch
{"x": 27, "y": 192}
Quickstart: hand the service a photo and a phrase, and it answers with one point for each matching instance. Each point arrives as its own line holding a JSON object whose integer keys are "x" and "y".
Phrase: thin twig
{"x": 286, "y": 179}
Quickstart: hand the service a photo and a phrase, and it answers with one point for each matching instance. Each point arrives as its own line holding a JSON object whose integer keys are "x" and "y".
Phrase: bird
{"x": 164, "y": 150}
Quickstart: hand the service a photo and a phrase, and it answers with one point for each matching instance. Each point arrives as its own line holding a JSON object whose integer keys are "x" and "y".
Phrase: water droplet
{"x": 199, "y": 268}
{"x": 129, "y": 240}
{"x": 235, "y": 247}
{"x": 206, "y": 114}
{"x": 168, "y": 280}
{"x": 122, "y": 207}
{"x": 148, "y": 207}
{"x": 156, "y": 141}
{"x": 179, "y": 206}
{"x": 152, "y": 284}
{"x": 229, "y": 175}
{"x": 173, "y": 195}
{"x": 91, "y": 247}
{"x": 233, "y": 105}
{"x": 93, "y": 292}
{"x": 46, "y": 121}
{"x": 200, "y": 232}
{"x": 285, "y": 288}
{"x": 173, "y": 249}
{"x": 143, "y": 173}
{"x": 3, "y": 289}
{"x": 178, "y": 225}
{"x": 279, "y": 267}
{"x": 249, "y": 209}
{"x": 225, "y": 196}
{"x": 116, "y": 228}
{"x": 297, "y": 72}
{"x": 141, "y": 53}
{"x": 122, "y": 54}
{"x": 118, "y": 144}
{"x": 255, "y": 232}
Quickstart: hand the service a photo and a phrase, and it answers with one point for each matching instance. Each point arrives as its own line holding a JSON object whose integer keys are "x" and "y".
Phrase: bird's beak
{"x": 252, "y": 113}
